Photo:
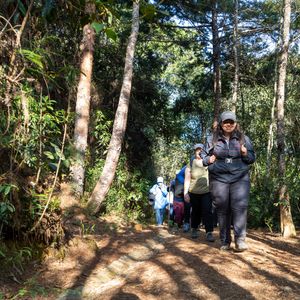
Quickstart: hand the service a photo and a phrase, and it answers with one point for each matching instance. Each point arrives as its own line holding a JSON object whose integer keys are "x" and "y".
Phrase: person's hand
{"x": 212, "y": 159}
{"x": 244, "y": 150}
{"x": 187, "y": 198}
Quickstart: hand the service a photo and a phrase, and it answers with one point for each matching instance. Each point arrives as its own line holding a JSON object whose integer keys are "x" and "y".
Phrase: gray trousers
{"x": 231, "y": 202}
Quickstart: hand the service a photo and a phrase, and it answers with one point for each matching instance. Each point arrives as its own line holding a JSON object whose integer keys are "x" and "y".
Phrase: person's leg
{"x": 220, "y": 195}
{"x": 187, "y": 212}
{"x": 171, "y": 212}
{"x": 158, "y": 216}
{"x": 176, "y": 209}
{"x": 181, "y": 213}
{"x": 206, "y": 212}
{"x": 239, "y": 195}
{"x": 207, "y": 216}
{"x": 215, "y": 216}
{"x": 162, "y": 214}
{"x": 196, "y": 213}
{"x": 187, "y": 216}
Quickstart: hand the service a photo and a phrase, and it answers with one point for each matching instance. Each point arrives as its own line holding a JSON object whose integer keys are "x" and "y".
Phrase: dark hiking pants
{"x": 187, "y": 212}
{"x": 202, "y": 210}
{"x": 231, "y": 202}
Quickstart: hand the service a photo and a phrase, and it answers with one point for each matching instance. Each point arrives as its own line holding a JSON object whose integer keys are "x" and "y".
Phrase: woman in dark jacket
{"x": 228, "y": 156}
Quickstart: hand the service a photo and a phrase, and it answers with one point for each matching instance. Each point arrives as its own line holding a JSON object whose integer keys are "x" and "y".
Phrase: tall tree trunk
{"x": 83, "y": 105}
{"x": 273, "y": 118}
{"x": 235, "y": 86}
{"x": 120, "y": 122}
{"x": 216, "y": 63}
{"x": 286, "y": 221}
{"x": 271, "y": 126}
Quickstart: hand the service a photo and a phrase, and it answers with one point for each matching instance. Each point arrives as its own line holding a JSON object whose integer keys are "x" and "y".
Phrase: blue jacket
{"x": 178, "y": 185}
{"x": 230, "y": 165}
{"x": 180, "y": 175}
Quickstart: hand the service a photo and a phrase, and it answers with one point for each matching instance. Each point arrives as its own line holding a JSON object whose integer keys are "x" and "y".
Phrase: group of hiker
{"x": 214, "y": 182}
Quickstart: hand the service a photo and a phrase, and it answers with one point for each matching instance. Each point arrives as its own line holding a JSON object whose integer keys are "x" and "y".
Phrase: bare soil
{"x": 120, "y": 262}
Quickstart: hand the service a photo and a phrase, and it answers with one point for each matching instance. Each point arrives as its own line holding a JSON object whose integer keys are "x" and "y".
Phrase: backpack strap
{"x": 191, "y": 160}
{"x": 210, "y": 144}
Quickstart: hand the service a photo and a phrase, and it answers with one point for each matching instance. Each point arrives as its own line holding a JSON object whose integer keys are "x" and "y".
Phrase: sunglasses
{"x": 231, "y": 122}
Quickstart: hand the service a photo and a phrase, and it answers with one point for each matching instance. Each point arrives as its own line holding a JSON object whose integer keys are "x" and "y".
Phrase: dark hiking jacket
{"x": 230, "y": 165}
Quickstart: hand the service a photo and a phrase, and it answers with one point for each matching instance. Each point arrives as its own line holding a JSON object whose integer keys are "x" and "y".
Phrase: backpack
{"x": 179, "y": 188}
{"x": 151, "y": 198}
{"x": 179, "y": 184}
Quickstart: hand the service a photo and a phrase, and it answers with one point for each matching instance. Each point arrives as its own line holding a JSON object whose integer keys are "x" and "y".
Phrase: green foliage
{"x": 102, "y": 125}
{"x": 38, "y": 202}
{"x": 111, "y": 34}
{"x": 31, "y": 288}
{"x": 86, "y": 229}
{"x": 293, "y": 181}
{"x": 148, "y": 11}
{"x": 98, "y": 27}
{"x": 7, "y": 209}
{"x": 48, "y": 7}
{"x": 22, "y": 7}
{"x": 92, "y": 174}
{"x": 5, "y": 189}
{"x": 32, "y": 57}
{"x": 127, "y": 196}
{"x": 39, "y": 146}
{"x": 169, "y": 157}
{"x": 15, "y": 256}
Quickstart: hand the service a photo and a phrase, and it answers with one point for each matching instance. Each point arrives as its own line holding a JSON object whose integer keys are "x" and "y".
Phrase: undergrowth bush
{"x": 15, "y": 256}
{"x": 127, "y": 196}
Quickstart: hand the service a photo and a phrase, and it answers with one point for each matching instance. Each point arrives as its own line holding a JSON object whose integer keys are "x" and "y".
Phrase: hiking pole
{"x": 169, "y": 204}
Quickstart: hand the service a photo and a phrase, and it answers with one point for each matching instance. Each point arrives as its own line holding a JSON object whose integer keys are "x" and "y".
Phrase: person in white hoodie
{"x": 159, "y": 190}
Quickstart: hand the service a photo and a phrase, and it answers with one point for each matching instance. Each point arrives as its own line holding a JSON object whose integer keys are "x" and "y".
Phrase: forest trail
{"x": 160, "y": 263}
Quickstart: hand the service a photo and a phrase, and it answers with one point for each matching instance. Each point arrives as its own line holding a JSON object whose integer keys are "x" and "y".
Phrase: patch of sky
{"x": 193, "y": 130}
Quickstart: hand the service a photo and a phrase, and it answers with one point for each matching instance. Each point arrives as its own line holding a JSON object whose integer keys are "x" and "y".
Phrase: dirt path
{"x": 152, "y": 264}
{"x": 159, "y": 264}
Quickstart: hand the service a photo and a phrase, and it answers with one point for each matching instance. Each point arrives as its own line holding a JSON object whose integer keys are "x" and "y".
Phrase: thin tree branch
{"x": 12, "y": 66}
{"x": 57, "y": 169}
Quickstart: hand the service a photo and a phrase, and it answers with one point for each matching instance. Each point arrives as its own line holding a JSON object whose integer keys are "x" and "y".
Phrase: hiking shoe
{"x": 240, "y": 246}
{"x": 225, "y": 247}
{"x": 194, "y": 233}
{"x": 186, "y": 227}
{"x": 175, "y": 227}
{"x": 171, "y": 223}
{"x": 210, "y": 237}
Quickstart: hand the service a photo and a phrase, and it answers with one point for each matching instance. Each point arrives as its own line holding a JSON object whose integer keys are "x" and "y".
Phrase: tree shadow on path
{"x": 215, "y": 285}
{"x": 279, "y": 245}
{"x": 114, "y": 247}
